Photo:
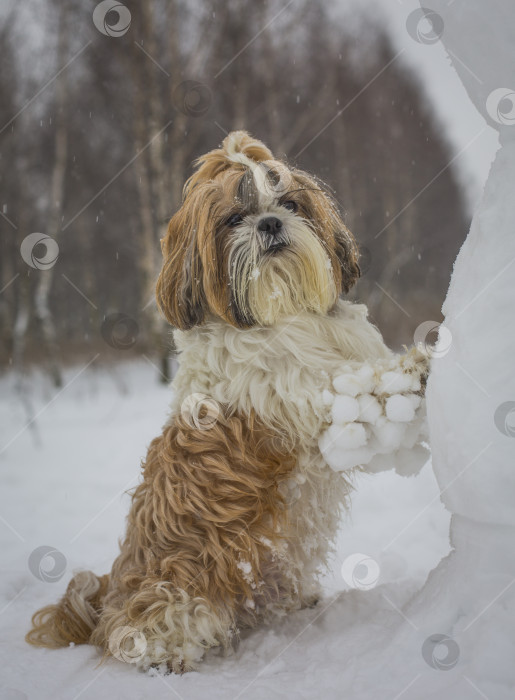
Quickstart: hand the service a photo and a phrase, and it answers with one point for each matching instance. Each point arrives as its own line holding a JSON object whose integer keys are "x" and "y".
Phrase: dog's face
{"x": 252, "y": 242}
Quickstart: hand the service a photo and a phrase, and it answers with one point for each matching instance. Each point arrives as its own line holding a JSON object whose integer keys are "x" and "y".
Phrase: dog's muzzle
{"x": 272, "y": 233}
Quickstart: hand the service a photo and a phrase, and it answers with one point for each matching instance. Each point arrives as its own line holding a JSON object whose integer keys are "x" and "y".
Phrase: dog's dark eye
{"x": 291, "y": 206}
{"x": 234, "y": 220}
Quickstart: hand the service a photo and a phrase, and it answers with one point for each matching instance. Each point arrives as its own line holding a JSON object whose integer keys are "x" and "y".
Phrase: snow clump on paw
{"x": 369, "y": 408}
{"x": 394, "y": 382}
{"x": 374, "y": 413}
{"x": 399, "y": 409}
{"x": 345, "y": 437}
{"x": 347, "y": 384}
{"x": 345, "y": 409}
{"x": 389, "y": 434}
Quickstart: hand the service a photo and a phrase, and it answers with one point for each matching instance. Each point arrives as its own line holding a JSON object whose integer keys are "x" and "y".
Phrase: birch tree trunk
{"x": 162, "y": 172}
{"x": 23, "y": 307}
{"x": 42, "y": 310}
{"x": 152, "y": 182}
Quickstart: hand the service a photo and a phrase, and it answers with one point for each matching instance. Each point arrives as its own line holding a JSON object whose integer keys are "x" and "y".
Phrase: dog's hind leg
{"x": 199, "y": 535}
{"x": 160, "y": 626}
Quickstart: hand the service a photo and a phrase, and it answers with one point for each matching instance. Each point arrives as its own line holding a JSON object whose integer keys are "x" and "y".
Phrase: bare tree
{"x": 124, "y": 133}
{"x": 57, "y": 188}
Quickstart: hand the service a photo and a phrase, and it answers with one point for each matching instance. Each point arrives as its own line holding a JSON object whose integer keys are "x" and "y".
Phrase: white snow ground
{"x": 62, "y": 484}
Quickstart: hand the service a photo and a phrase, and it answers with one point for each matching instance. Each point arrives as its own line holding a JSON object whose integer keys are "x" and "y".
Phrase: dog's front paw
{"x": 416, "y": 362}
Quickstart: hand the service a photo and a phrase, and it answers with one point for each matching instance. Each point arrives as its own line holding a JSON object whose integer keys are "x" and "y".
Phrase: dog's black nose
{"x": 270, "y": 224}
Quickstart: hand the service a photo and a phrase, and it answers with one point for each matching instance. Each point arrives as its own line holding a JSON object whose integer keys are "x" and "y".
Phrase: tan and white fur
{"x": 236, "y": 511}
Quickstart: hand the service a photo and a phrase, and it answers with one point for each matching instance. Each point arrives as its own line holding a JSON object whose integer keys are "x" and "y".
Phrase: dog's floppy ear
{"x": 323, "y": 212}
{"x": 345, "y": 246}
{"x": 180, "y": 292}
{"x": 348, "y": 254}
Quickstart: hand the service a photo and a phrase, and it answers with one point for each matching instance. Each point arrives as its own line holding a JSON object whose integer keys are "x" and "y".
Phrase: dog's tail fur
{"x": 74, "y": 617}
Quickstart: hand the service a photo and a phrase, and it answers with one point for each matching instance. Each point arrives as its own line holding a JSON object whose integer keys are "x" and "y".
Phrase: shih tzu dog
{"x": 237, "y": 507}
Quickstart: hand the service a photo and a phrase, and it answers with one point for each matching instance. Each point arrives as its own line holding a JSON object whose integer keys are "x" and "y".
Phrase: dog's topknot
{"x": 240, "y": 147}
{"x": 237, "y": 147}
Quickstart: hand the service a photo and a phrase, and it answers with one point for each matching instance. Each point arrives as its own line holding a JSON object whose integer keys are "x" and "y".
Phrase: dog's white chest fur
{"x": 279, "y": 372}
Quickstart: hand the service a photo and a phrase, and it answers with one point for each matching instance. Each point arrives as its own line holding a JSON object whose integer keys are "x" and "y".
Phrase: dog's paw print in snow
{"x": 376, "y": 413}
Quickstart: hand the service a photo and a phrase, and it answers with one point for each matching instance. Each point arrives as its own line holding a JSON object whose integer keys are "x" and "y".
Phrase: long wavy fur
{"x": 198, "y": 546}
{"x": 233, "y": 520}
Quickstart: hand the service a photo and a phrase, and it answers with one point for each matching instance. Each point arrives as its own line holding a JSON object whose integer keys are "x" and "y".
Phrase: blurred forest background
{"x": 98, "y": 133}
